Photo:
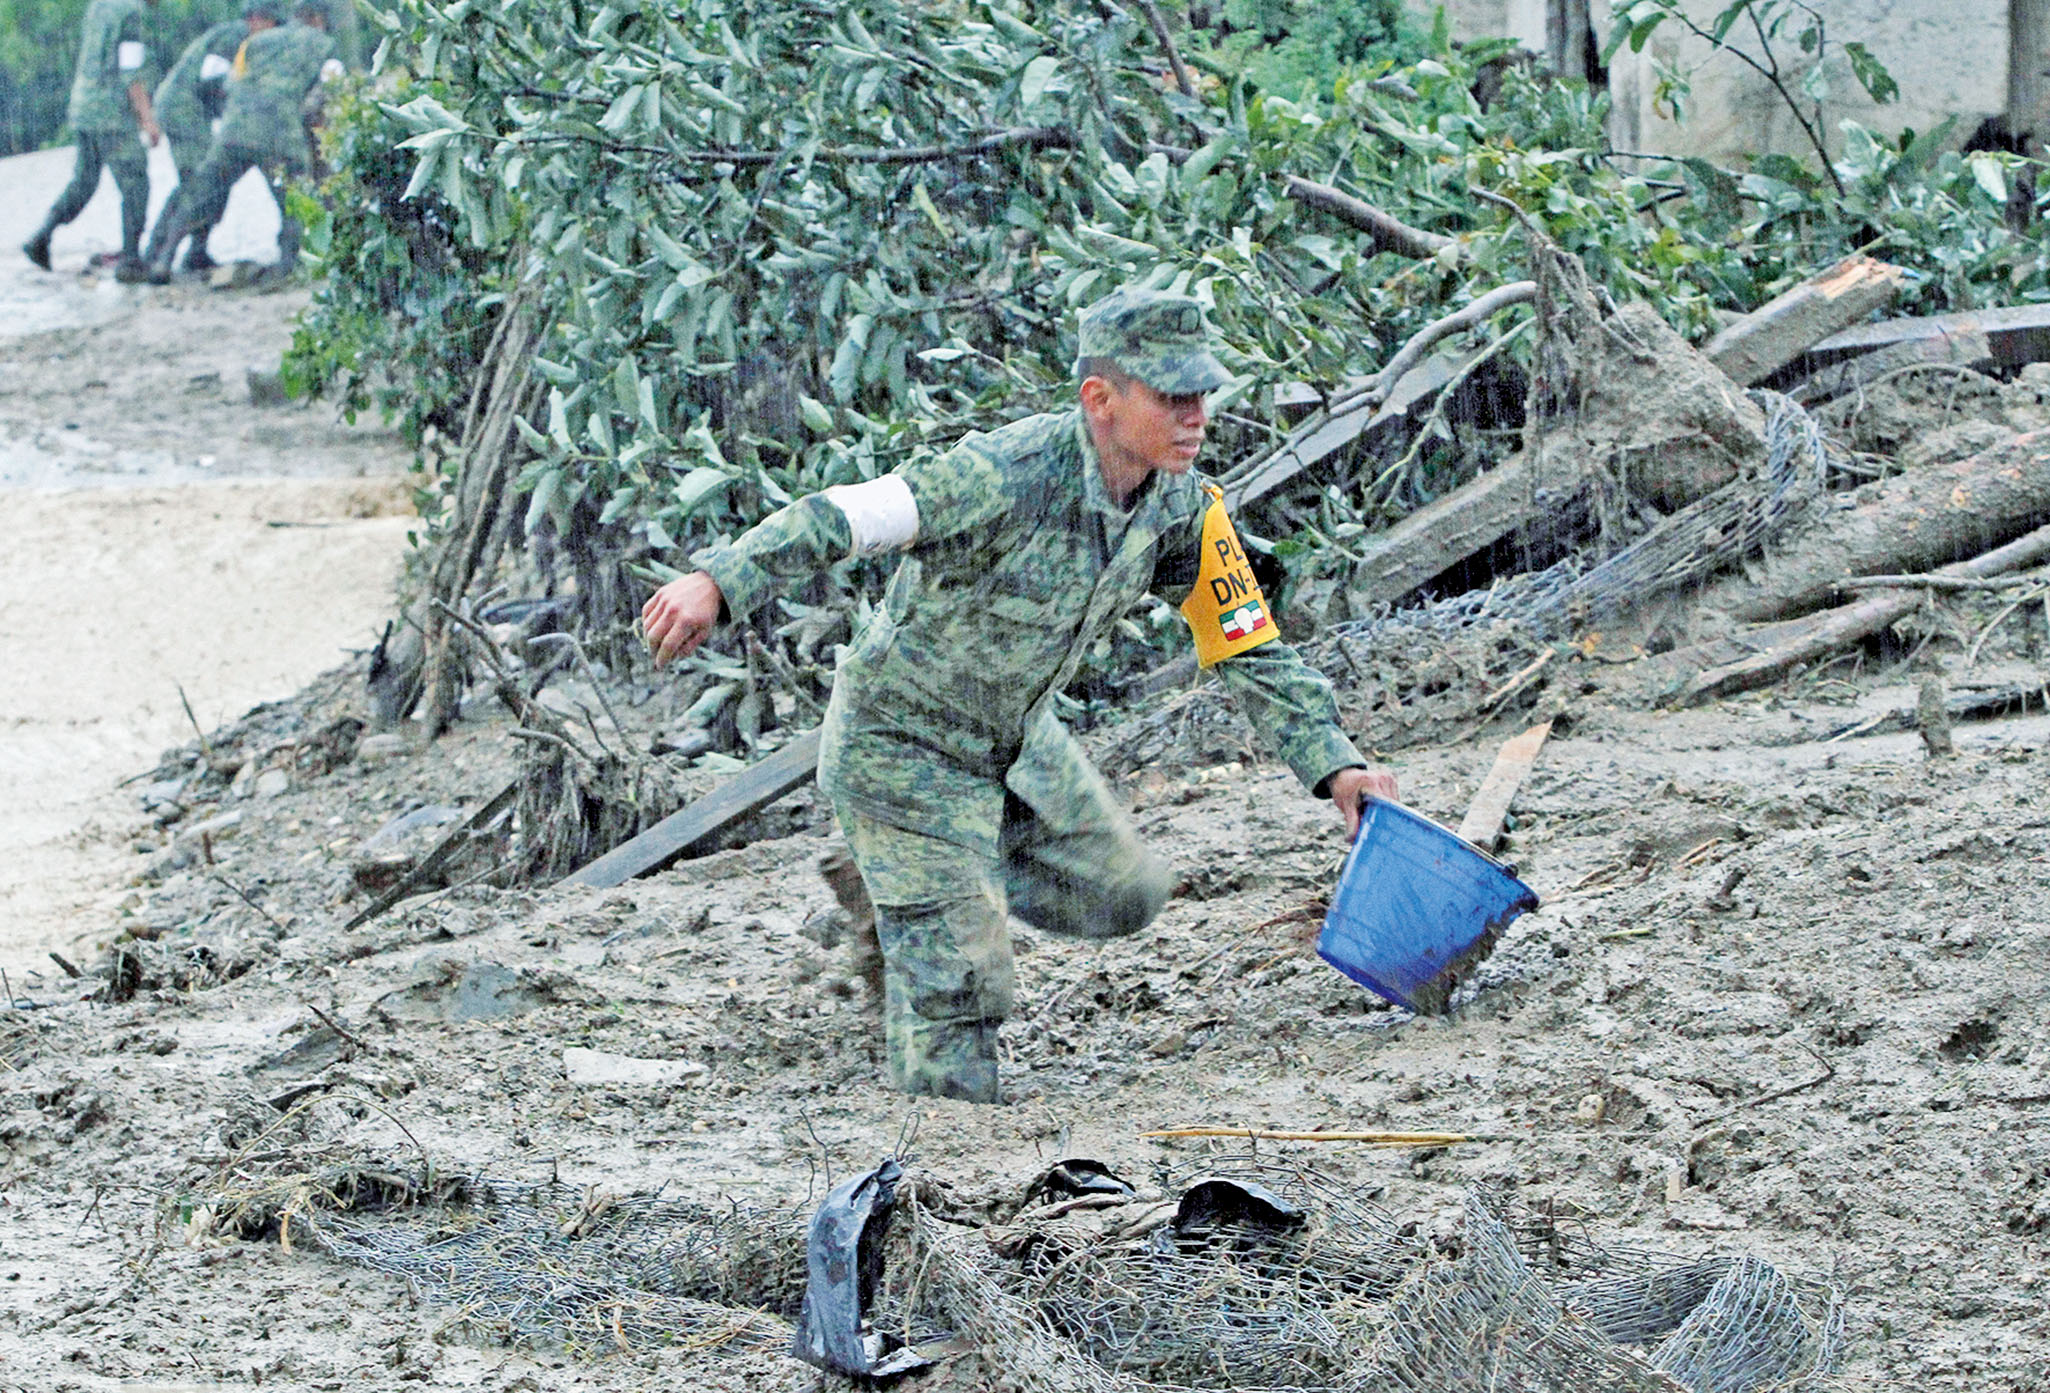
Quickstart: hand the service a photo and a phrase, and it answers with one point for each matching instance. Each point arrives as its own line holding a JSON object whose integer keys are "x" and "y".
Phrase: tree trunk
{"x": 1904, "y": 525}
{"x": 2028, "y": 74}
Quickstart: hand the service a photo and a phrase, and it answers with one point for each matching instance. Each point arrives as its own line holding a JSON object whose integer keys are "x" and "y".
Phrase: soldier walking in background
{"x": 263, "y": 128}
{"x": 109, "y": 104}
{"x": 962, "y": 796}
{"x": 191, "y": 97}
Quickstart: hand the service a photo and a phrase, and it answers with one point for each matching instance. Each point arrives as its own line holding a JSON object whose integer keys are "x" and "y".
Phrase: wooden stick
{"x": 1366, "y": 1138}
{"x": 1483, "y": 823}
{"x": 1182, "y": 80}
{"x": 1932, "y": 582}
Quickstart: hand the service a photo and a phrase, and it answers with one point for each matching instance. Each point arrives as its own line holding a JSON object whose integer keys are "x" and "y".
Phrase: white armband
{"x": 213, "y": 66}
{"x": 331, "y": 69}
{"x": 881, "y": 514}
{"x": 128, "y": 55}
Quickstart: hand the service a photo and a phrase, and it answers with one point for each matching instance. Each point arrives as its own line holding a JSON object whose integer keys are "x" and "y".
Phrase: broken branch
{"x": 1388, "y": 233}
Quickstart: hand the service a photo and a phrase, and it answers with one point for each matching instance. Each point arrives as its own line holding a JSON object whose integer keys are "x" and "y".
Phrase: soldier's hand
{"x": 677, "y": 617}
{"x": 1350, "y": 788}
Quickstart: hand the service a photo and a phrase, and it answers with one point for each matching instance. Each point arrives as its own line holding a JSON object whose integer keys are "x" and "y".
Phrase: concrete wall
{"x": 1950, "y": 57}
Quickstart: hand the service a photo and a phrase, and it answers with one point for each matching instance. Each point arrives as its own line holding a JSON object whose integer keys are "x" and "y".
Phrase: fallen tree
{"x": 1906, "y": 524}
{"x": 1761, "y": 656}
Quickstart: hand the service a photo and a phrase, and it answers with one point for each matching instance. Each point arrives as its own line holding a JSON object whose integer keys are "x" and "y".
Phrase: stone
{"x": 272, "y": 782}
{"x": 584, "y": 1066}
{"x": 372, "y": 749}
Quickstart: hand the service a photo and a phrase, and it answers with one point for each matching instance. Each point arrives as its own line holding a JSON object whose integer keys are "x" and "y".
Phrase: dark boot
{"x": 196, "y": 258}
{"x": 37, "y": 249}
{"x": 838, "y": 870}
{"x": 133, "y": 270}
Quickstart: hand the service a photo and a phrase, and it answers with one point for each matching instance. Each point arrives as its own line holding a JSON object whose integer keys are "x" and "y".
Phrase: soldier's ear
{"x": 1096, "y": 393}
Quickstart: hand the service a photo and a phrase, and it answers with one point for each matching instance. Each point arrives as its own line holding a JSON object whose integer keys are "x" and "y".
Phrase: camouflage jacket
{"x": 1021, "y": 563}
{"x": 113, "y": 54}
{"x": 189, "y": 97}
{"x": 275, "y": 71}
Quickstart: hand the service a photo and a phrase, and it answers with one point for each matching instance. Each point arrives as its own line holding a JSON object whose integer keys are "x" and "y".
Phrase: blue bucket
{"x": 1416, "y": 905}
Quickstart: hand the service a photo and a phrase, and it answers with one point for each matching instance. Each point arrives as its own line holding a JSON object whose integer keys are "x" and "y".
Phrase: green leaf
{"x": 817, "y": 418}
{"x": 697, "y": 486}
{"x": 1039, "y": 74}
{"x": 844, "y": 376}
{"x": 1872, "y": 74}
{"x": 1989, "y": 175}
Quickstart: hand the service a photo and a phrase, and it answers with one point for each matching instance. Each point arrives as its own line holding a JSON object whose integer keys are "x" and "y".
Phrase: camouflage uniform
{"x": 113, "y": 55}
{"x": 192, "y": 94}
{"x": 261, "y": 129}
{"x": 961, "y": 794}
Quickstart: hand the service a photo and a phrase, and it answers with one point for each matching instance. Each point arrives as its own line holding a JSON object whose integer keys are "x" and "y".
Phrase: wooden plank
{"x": 1450, "y": 528}
{"x": 1483, "y": 823}
{"x": 1789, "y": 324}
{"x": 1970, "y": 348}
{"x": 2018, "y": 334}
{"x": 759, "y": 785}
{"x": 1310, "y": 447}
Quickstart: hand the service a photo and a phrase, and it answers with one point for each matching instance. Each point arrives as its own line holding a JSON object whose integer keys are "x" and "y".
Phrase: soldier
{"x": 960, "y": 792}
{"x": 109, "y": 104}
{"x": 189, "y": 99}
{"x": 263, "y": 128}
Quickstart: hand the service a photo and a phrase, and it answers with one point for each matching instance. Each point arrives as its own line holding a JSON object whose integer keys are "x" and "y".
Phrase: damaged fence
{"x": 1235, "y": 1272}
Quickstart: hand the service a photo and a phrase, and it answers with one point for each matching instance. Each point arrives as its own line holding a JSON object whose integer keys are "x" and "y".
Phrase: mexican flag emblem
{"x": 1248, "y": 618}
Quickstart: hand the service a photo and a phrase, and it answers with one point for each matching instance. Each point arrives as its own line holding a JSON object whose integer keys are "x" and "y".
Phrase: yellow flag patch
{"x": 1227, "y": 614}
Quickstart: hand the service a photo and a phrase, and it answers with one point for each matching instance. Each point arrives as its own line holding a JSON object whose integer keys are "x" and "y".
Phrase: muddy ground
{"x": 169, "y": 527}
{"x": 1785, "y": 996}
{"x": 1883, "y": 948}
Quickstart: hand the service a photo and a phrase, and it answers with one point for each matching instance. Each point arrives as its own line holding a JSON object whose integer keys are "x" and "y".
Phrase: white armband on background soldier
{"x": 881, "y": 514}
{"x": 129, "y": 55}
{"x": 213, "y": 66}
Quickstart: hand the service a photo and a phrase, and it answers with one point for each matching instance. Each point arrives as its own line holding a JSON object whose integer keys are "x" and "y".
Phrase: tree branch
{"x": 1174, "y": 57}
{"x": 1388, "y": 234}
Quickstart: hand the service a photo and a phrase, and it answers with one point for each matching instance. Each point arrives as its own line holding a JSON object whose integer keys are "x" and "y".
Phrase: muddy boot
{"x": 133, "y": 270}
{"x": 196, "y": 259}
{"x": 865, "y": 953}
{"x": 37, "y": 249}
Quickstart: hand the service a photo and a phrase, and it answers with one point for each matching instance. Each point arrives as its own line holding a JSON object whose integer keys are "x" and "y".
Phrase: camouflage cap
{"x": 308, "y": 8}
{"x": 1159, "y": 338}
{"x": 272, "y": 10}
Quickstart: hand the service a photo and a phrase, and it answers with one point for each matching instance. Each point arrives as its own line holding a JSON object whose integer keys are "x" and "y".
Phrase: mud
{"x": 1876, "y": 952}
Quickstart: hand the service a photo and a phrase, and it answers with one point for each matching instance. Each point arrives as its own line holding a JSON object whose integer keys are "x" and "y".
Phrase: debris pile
{"x": 1234, "y": 1272}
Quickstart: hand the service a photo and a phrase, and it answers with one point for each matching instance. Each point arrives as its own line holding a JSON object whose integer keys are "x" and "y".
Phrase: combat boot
{"x": 133, "y": 270}
{"x": 37, "y": 249}
{"x": 865, "y": 951}
{"x": 196, "y": 259}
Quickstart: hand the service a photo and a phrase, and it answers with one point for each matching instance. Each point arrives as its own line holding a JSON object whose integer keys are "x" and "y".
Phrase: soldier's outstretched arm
{"x": 931, "y": 499}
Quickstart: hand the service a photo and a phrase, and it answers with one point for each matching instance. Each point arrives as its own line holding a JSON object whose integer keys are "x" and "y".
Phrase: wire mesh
{"x": 1729, "y": 525}
{"x": 1306, "y": 1287}
{"x": 554, "y": 1267}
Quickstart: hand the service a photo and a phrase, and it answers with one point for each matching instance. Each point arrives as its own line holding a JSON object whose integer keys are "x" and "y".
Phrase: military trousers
{"x": 123, "y": 156}
{"x": 201, "y": 208}
{"x": 941, "y": 910}
{"x": 188, "y": 153}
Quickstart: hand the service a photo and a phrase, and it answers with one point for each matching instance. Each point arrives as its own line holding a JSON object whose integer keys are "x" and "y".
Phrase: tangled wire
{"x": 1237, "y": 1272}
